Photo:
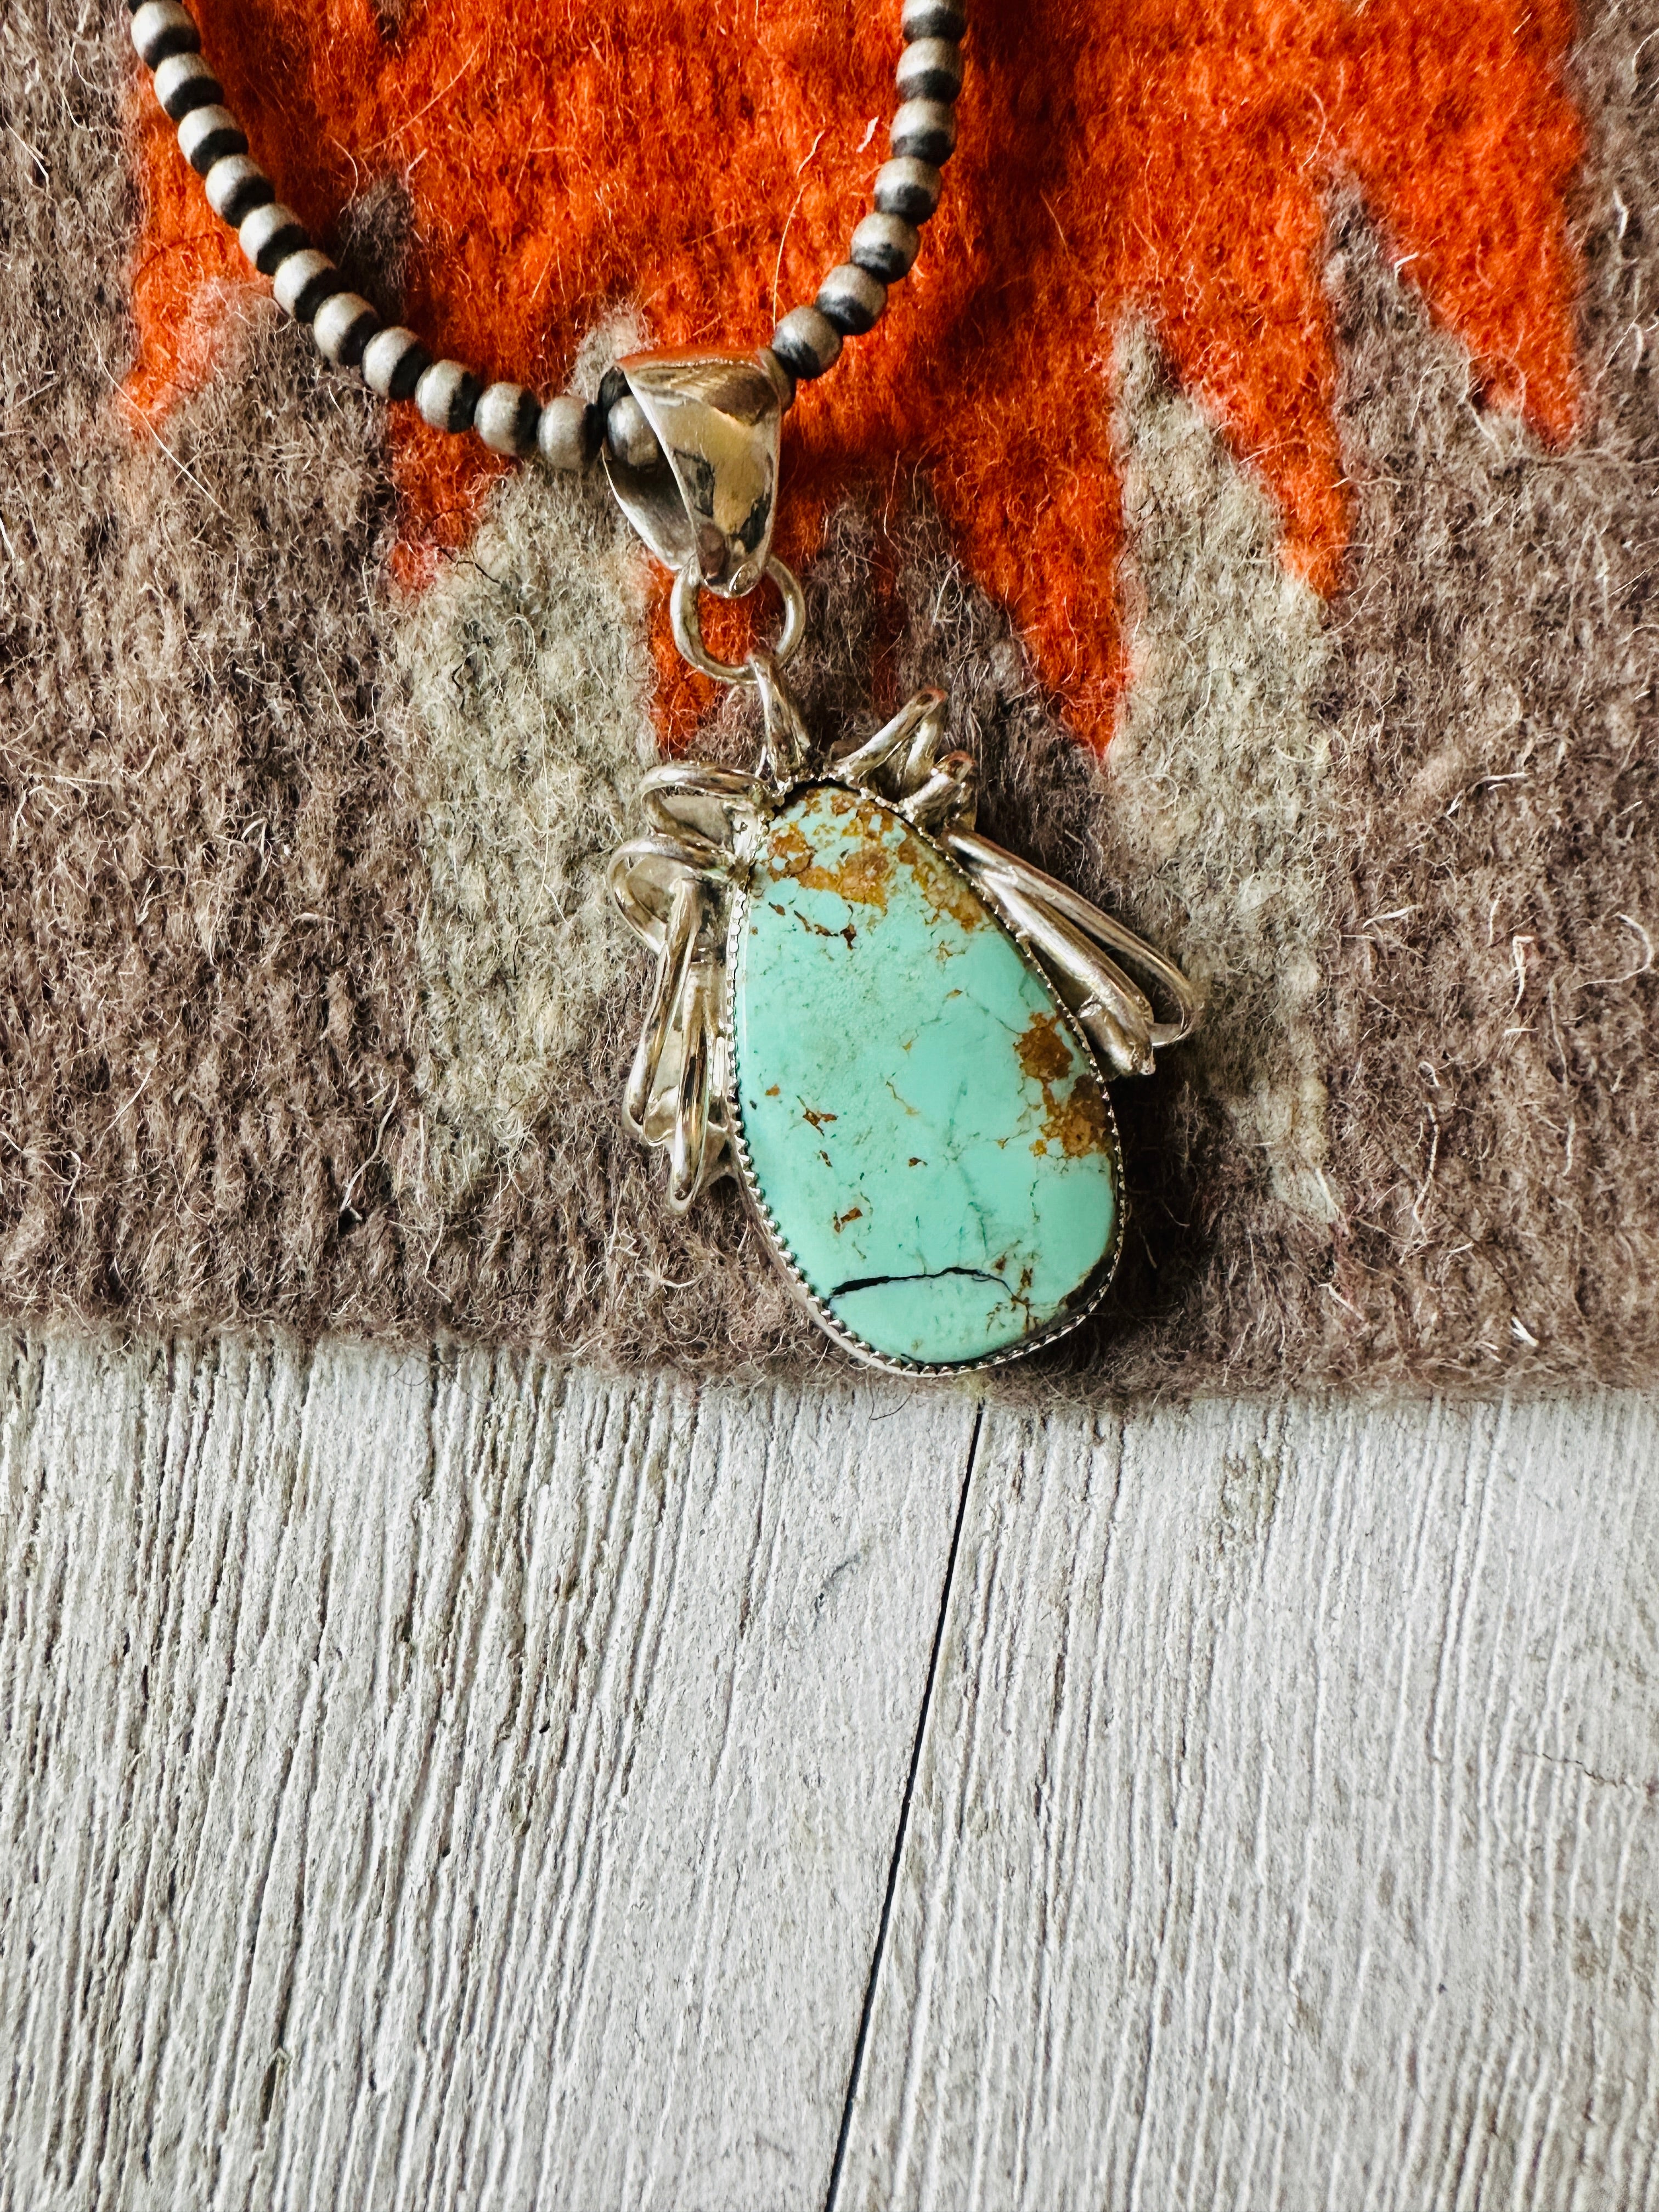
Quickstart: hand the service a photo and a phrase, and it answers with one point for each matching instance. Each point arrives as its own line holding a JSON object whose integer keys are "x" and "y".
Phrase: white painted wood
{"x": 438, "y": 1780}
{"x": 1287, "y": 1827}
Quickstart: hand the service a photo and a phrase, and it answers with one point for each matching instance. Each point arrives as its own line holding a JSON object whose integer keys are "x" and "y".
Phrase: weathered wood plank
{"x": 434, "y": 1781}
{"x": 1287, "y": 1827}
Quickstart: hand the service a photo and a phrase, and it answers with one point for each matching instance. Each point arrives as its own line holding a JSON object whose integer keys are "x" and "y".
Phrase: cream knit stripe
{"x": 530, "y": 683}
{"x": 1217, "y": 802}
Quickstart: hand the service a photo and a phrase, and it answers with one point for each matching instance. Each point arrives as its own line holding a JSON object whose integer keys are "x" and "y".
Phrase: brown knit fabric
{"x": 313, "y": 1012}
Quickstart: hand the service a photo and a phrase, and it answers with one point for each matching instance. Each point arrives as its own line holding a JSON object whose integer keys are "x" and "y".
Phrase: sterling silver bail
{"x": 706, "y": 499}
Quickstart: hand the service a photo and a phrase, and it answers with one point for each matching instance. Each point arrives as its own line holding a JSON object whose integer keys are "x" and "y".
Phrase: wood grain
{"x": 1285, "y": 1830}
{"x": 434, "y": 1781}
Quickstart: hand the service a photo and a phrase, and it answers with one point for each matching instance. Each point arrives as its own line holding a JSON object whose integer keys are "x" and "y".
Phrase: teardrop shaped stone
{"x": 933, "y": 1144}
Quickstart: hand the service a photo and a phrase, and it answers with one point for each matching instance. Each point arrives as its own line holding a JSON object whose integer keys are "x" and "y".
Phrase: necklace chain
{"x": 508, "y": 418}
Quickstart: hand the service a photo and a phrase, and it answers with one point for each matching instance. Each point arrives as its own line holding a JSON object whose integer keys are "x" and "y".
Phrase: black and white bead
{"x": 207, "y": 135}
{"x": 394, "y": 361}
{"x": 184, "y": 81}
{"x": 268, "y": 234}
{"x": 507, "y": 417}
{"x": 161, "y": 28}
{"x": 343, "y": 326}
{"x": 303, "y": 280}
{"x": 236, "y": 186}
{"x": 447, "y": 396}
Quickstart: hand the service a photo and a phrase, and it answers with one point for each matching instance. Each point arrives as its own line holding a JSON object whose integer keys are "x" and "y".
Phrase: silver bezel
{"x": 1100, "y": 1279}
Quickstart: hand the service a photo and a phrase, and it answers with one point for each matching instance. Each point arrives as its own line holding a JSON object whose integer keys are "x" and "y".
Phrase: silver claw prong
{"x": 673, "y": 961}
{"x": 712, "y": 804}
{"x": 645, "y": 874}
{"x": 786, "y": 746}
{"x": 925, "y": 745}
{"x": 1125, "y": 1053}
{"x": 1077, "y": 942}
{"x": 948, "y": 796}
{"x": 691, "y": 1128}
{"x": 865, "y": 761}
{"x": 1086, "y": 978}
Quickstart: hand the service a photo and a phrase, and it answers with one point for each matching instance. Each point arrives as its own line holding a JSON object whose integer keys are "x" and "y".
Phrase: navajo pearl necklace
{"x": 507, "y": 418}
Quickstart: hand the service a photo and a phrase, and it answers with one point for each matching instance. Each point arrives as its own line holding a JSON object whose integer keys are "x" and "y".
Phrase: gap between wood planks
{"x": 832, "y": 2193}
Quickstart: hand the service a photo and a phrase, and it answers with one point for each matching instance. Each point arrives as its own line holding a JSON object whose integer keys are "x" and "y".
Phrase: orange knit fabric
{"x": 708, "y": 158}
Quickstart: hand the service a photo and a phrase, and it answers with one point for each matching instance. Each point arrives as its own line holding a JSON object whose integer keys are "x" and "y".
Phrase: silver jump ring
{"x": 683, "y": 614}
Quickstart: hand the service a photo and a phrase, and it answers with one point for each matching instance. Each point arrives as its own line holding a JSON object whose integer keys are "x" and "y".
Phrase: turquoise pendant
{"x": 894, "y": 1034}
{"x": 892, "y": 1031}
{"x": 924, "y": 1133}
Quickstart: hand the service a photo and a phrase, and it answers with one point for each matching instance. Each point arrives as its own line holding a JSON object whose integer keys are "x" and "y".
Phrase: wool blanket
{"x": 1264, "y": 456}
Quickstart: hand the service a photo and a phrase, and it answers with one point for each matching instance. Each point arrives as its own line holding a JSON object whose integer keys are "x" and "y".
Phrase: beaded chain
{"x": 565, "y": 431}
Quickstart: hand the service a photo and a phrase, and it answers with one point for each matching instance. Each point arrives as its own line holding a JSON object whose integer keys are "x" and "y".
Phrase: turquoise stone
{"x": 931, "y": 1140}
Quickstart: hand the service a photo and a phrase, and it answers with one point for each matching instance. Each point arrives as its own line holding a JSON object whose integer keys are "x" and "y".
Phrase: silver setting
{"x": 706, "y": 501}
{"x": 683, "y": 890}
{"x": 1088, "y": 1296}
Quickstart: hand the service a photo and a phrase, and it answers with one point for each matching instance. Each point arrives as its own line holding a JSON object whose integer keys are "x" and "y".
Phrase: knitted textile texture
{"x": 1263, "y": 455}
